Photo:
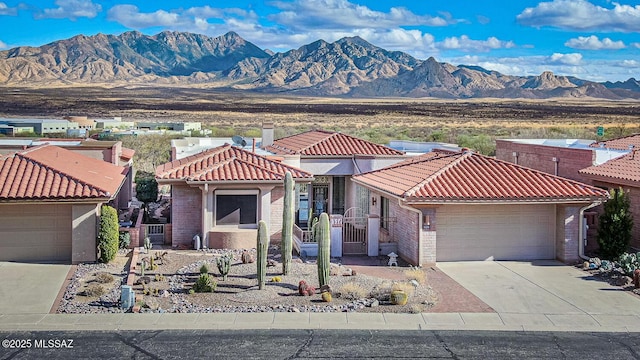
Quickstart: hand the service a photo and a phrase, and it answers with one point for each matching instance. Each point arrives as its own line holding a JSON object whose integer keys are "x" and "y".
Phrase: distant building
{"x": 175, "y": 126}
{"x": 41, "y": 126}
{"x": 115, "y": 123}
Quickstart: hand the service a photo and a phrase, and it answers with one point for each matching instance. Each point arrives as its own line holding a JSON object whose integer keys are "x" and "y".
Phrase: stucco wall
{"x": 84, "y": 233}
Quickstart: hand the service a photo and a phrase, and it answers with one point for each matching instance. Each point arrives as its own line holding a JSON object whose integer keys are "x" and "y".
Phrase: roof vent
{"x": 631, "y": 147}
{"x": 465, "y": 150}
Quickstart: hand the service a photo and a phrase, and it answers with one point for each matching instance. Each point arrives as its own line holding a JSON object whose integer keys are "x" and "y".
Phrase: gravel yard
{"x": 168, "y": 287}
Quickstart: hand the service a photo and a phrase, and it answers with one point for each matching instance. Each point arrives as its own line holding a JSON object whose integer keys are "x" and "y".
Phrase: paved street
{"x": 323, "y": 344}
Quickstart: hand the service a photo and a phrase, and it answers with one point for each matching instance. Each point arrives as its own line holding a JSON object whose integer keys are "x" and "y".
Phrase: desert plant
{"x": 629, "y": 262}
{"x": 417, "y": 274}
{"x": 322, "y": 235}
{"x": 399, "y": 297}
{"x": 124, "y": 240}
{"x": 108, "y": 234}
{"x": 276, "y": 279}
{"x": 615, "y": 225}
{"x": 305, "y": 289}
{"x": 224, "y": 265}
{"x": 403, "y": 286}
{"x": 326, "y": 296}
{"x": 146, "y": 190}
{"x": 204, "y": 269}
{"x": 262, "y": 245}
{"x": 352, "y": 291}
{"x": 287, "y": 223}
{"x": 104, "y": 278}
{"x": 159, "y": 277}
{"x": 205, "y": 283}
{"x": 94, "y": 290}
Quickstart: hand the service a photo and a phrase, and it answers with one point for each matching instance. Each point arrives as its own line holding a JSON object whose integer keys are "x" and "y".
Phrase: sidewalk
{"x": 369, "y": 321}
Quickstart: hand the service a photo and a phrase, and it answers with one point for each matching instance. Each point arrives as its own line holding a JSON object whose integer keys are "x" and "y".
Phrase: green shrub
{"x": 615, "y": 225}
{"x": 124, "y": 240}
{"x": 108, "y": 234}
{"x": 204, "y": 269}
{"x": 205, "y": 283}
{"x": 104, "y": 278}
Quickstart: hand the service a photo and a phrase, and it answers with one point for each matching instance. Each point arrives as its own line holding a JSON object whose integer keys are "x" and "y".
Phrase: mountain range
{"x": 349, "y": 67}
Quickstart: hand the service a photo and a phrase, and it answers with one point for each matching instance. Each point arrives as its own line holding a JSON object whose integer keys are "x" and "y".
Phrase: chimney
{"x": 267, "y": 134}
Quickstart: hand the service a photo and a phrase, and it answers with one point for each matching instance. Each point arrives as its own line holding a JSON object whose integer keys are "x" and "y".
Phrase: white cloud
{"x": 465, "y": 43}
{"x": 580, "y": 15}
{"x": 5, "y": 10}
{"x": 566, "y": 59}
{"x": 3, "y": 45}
{"x": 594, "y": 43}
{"x": 71, "y": 9}
{"x": 636, "y": 44}
{"x": 342, "y": 14}
{"x": 630, "y": 63}
{"x": 131, "y": 17}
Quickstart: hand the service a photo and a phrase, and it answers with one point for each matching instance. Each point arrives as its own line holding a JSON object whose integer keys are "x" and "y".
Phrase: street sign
{"x": 600, "y": 131}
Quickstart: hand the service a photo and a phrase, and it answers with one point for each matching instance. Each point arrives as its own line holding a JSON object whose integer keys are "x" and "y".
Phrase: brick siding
{"x": 277, "y": 207}
{"x": 186, "y": 214}
{"x": 406, "y": 232}
{"x": 634, "y": 200}
{"x": 567, "y": 233}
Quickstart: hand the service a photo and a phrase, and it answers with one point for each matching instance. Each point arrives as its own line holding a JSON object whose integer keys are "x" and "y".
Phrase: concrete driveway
{"x": 544, "y": 290}
{"x": 27, "y": 288}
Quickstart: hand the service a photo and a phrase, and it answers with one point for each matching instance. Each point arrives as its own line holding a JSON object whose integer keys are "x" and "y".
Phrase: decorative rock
{"x": 143, "y": 280}
{"x": 271, "y": 263}
{"x": 326, "y": 288}
{"x": 374, "y": 303}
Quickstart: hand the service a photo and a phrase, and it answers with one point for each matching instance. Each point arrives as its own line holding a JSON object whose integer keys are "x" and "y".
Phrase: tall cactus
{"x": 322, "y": 236}
{"x": 287, "y": 223}
{"x": 262, "y": 246}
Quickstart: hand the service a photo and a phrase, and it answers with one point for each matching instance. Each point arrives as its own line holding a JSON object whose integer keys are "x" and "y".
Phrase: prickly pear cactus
{"x": 322, "y": 236}
{"x": 262, "y": 246}
{"x": 287, "y": 223}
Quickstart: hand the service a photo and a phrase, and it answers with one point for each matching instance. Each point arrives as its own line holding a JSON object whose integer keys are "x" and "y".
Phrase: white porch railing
{"x": 303, "y": 241}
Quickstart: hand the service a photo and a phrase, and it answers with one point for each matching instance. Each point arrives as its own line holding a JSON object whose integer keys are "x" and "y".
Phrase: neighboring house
{"x": 454, "y": 206}
{"x": 50, "y": 202}
{"x": 110, "y": 151}
{"x": 222, "y": 193}
{"x": 333, "y": 158}
{"x": 621, "y": 172}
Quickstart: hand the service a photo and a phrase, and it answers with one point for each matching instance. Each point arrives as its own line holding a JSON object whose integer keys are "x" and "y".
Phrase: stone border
{"x": 131, "y": 276}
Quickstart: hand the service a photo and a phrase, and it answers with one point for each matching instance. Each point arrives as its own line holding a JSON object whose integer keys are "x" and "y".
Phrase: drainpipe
{"x": 581, "y": 229}
{"x": 419, "y": 228}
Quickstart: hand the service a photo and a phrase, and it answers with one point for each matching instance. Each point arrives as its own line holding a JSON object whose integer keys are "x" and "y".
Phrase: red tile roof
{"x": 625, "y": 168}
{"x": 127, "y": 154}
{"x": 227, "y": 163}
{"x": 465, "y": 176}
{"x": 622, "y": 143}
{"x": 327, "y": 143}
{"x": 49, "y": 172}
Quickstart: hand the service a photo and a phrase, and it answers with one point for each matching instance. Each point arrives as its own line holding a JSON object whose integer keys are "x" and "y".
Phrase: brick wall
{"x": 277, "y": 206}
{"x": 406, "y": 232}
{"x": 540, "y": 157}
{"x": 567, "y": 233}
{"x": 186, "y": 214}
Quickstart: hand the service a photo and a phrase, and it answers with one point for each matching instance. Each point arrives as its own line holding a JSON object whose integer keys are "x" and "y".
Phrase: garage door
{"x": 35, "y": 233}
{"x": 495, "y": 232}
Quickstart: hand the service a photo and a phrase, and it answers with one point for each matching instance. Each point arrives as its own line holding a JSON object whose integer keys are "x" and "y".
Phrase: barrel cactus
{"x": 287, "y": 223}
{"x": 322, "y": 236}
{"x": 262, "y": 246}
{"x": 399, "y": 297}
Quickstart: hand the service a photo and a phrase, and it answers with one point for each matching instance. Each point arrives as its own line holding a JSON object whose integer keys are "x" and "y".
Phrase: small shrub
{"x": 94, "y": 290}
{"x": 352, "y": 291}
{"x": 104, "y": 278}
{"x": 382, "y": 291}
{"x": 204, "y": 269}
{"x": 124, "y": 240}
{"x": 160, "y": 277}
{"x": 416, "y": 274}
{"x": 205, "y": 283}
{"x": 108, "y": 234}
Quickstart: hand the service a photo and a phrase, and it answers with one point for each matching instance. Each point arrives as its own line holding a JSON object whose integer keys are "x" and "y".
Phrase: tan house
{"x": 50, "y": 202}
{"x": 457, "y": 206}
{"x": 222, "y": 193}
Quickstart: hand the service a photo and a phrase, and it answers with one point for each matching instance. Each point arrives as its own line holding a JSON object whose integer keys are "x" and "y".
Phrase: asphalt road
{"x": 317, "y": 344}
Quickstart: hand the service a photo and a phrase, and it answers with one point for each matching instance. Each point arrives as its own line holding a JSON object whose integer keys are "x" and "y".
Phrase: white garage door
{"x": 495, "y": 232}
{"x": 35, "y": 233}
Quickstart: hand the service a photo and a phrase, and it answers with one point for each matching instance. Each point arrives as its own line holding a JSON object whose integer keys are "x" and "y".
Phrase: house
{"x": 333, "y": 158}
{"x": 50, "y": 200}
{"x": 453, "y": 206}
{"x": 622, "y": 172}
{"x": 222, "y": 193}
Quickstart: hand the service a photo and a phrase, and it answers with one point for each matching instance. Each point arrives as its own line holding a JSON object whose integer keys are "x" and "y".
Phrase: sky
{"x": 595, "y": 40}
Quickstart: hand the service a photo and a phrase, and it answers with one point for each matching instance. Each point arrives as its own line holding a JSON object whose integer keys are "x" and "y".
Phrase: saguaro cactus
{"x": 262, "y": 246}
{"x": 287, "y": 223}
{"x": 322, "y": 236}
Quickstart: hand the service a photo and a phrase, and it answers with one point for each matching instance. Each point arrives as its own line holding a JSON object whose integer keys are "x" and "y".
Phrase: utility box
{"x": 127, "y": 297}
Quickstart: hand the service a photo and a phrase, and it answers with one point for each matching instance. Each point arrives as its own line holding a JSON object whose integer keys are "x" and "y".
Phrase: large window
{"x": 338, "y": 195}
{"x": 236, "y": 209}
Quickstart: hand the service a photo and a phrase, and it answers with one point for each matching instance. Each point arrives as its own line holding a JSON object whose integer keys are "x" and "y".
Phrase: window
{"x": 337, "y": 195}
{"x": 363, "y": 198}
{"x": 237, "y": 209}
{"x": 384, "y": 213}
